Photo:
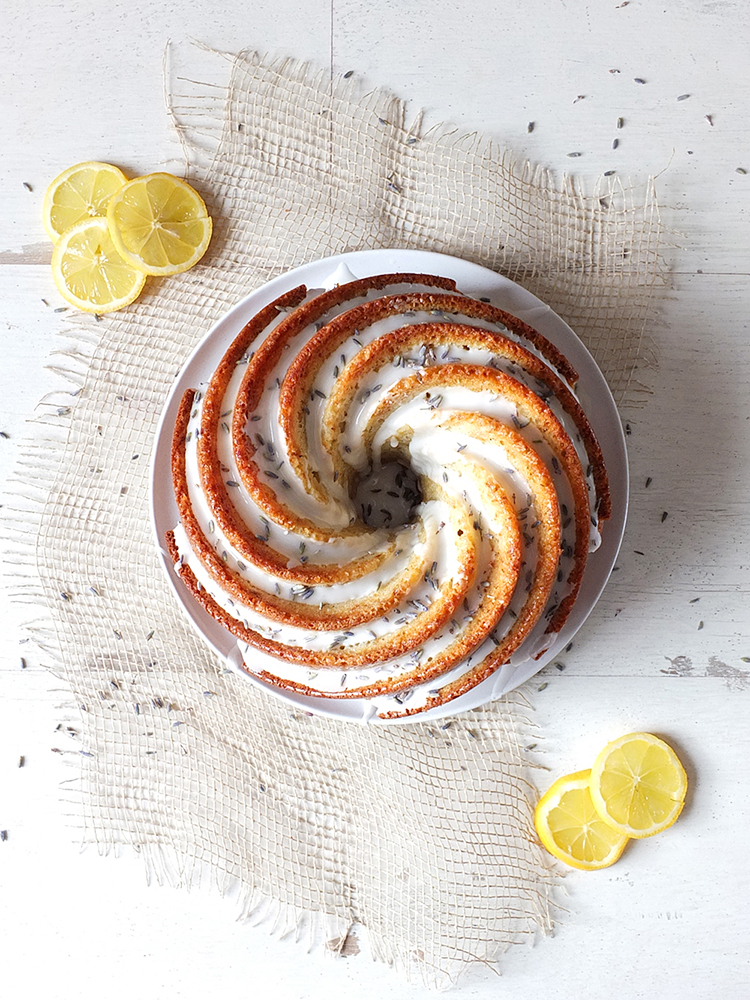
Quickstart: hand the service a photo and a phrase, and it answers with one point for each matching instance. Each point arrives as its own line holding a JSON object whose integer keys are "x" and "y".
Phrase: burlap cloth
{"x": 423, "y": 833}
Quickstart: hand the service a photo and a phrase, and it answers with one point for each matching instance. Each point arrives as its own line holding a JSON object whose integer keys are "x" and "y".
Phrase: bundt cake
{"x": 386, "y": 490}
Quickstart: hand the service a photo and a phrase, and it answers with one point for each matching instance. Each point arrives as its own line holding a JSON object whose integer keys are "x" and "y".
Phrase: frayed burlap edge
{"x": 501, "y": 724}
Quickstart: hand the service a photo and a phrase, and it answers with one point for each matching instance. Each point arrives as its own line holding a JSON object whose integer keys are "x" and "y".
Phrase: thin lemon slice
{"x": 159, "y": 224}
{"x": 638, "y": 785}
{"x": 80, "y": 192}
{"x": 570, "y": 827}
{"x": 90, "y": 273}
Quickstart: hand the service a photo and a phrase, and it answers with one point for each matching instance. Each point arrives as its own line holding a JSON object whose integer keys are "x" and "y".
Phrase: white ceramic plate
{"x": 474, "y": 280}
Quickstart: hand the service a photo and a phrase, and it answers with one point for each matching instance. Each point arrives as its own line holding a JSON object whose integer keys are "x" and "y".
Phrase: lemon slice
{"x": 638, "y": 785}
{"x": 80, "y": 192}
{"x": 570, "y": 827}
{"x": 159, "y": 224}
{"x": 90, "y": 273}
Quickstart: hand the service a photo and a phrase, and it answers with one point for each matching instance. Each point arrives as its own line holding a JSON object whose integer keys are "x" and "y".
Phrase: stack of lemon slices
{"x": 636, "y": 788}
{"x": 110, "y": 233}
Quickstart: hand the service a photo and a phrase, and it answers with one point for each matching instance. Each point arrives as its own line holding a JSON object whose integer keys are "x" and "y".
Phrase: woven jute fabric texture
{"x": 422, "y": 833}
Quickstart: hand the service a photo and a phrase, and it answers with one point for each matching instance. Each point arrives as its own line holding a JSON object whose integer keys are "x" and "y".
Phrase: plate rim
{"x": 518, "y": 301}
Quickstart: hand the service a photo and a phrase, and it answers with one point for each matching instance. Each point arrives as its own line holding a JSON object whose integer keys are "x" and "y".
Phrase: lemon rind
{"x": 53, "y": 186}
{"x": 579, "y": 779}
{"x": 83, "y": 304}
{"x": 133, "y": 259}
{"x": 600, "y": 803}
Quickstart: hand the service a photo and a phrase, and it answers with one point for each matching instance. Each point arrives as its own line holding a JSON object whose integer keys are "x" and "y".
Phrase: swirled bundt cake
{"x": 387, "y": 490}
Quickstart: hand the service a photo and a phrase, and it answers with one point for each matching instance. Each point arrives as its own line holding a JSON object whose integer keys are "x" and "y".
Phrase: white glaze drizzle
{"x": 430, "y": 447}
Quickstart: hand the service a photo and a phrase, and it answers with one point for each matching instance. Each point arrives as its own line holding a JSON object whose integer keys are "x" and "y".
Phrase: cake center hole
{"x": 387, "y": 496}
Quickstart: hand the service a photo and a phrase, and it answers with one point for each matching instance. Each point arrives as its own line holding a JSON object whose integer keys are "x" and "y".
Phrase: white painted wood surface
{"x": 664, "y": 649}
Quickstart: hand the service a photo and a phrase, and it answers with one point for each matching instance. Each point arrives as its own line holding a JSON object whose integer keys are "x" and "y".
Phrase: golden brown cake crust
{"x": 526, "y": 371}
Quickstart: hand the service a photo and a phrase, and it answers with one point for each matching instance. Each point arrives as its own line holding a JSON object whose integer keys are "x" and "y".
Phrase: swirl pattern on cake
{"x": 387, "y": 491}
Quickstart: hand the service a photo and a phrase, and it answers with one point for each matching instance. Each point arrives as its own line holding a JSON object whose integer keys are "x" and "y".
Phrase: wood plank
{"x": 81, "y": 80}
